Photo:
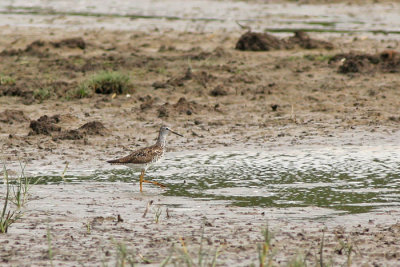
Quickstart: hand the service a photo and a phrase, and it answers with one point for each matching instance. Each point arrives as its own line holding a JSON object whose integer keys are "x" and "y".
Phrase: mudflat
{"x": 220, "y": 94}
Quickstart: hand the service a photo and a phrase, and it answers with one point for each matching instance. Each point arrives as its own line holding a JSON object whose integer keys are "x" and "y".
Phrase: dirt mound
{"x": 148, "y": 102}
{"x": 182, "y": 106}
{"x": 185, "y": 106}
{"x": 252, "y": 41}
{"x": 90, "y": 128}
{"x": 48, "y": 125}
{"x": 33, "y": 89}
{"x": 45, "y": 125}
{"x": 386, "y": 61}
{"x": 176, "y": 81}
{"x": 93, "y": 128}
{"x": 11, "y": 116}
{"x": 37, "y": 48}
{"x": 69, "y": 135}
{"x": 41, "y": 48}
{"x": 303, "y": 40}
{"x": 218, "y": 91}
{"x": 15, "y": 90}
{"x": 201, "y": 77}
{"x": 76, "y": 42}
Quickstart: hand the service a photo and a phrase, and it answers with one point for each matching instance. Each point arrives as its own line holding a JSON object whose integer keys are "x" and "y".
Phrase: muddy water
{"x": 205, "y": 15}
{"x": 346, "y": 179}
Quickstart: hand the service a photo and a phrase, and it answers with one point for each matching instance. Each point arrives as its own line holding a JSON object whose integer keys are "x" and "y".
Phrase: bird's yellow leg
{"x": 152, "y": 182}
{"x": 141, "y": 180}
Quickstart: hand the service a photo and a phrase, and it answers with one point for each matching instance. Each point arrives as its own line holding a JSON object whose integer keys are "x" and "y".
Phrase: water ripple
{"x": 353, "y": 179}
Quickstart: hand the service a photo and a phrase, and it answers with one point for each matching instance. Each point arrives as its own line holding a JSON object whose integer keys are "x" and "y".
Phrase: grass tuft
{"x": 42, "y": 94}
{"x": 124, "y": 256}
{"x": 265, "y": 253}
{"x": 7, "y": 80}
{"x": 297, "y": 261}
{"x": 157, "y": 215}
{"x": 7, "y": 216}
{"x": 107, "y": 82}
{"x": 21, "y": 189}
{"x": 183, "y": 257}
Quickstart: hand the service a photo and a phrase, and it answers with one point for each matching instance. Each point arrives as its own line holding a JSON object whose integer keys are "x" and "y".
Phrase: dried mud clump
{"x": 148, "y": 102}
{"x": 251, "y": 41}
{"x": 219, "y": 91}
{"x": 202, "y": 78}
{"x": 182, "y": 106}
{"x": 11, "y": 116}
{"x": 69, "y": 135}
{"x": 41, "y": 48}
{"x": 163, "y": 111}
{"x": 37, "y": 48}
{"x": 90, "y": 128}
{"x": 175, "y": 82}
{"x": 45, "y": 125}
{"x": 93, "y": 128}
{"x": 76, "y": 42}
{"x": 388, "y": 62}
{"x": 303, "y": 40}
{"x": 48, "y": 125}
{"x": 20, "y": 90}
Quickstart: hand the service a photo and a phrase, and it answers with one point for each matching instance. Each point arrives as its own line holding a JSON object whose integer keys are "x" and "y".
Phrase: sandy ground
{"x": 216, "y": 96}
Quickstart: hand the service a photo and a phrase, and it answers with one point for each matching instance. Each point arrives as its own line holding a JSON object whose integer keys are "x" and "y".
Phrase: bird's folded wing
{"x": 141, "y": 156}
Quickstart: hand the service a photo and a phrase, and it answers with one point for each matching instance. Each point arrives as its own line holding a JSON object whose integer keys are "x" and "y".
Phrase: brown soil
{"x": 45, "y": 125}
{"x": 10, "y": 116}
{"x": 93, "y": 128}
{"x": 386, "y": 61}
{"x": 252, "y": 41}
{"x": 77, "y": 42}
{"x": 215, "y": 95}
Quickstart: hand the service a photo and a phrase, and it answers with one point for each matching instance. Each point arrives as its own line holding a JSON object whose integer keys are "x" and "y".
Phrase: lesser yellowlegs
{"x": 143, "y": 158}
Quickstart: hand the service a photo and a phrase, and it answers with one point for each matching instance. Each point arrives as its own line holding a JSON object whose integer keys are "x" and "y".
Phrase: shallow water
{"x": 380, "y": 20}
{"x": 348, "y": 179}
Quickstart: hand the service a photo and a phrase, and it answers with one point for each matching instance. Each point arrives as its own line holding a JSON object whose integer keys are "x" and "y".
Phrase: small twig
{"x": 147, "y": 208}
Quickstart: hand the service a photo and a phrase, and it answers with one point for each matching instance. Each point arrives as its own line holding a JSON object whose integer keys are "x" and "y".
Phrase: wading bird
{"x": 143, "y": 158}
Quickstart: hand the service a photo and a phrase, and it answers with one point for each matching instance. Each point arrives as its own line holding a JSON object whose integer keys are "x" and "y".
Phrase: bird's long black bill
{"x": 176, "y": 133}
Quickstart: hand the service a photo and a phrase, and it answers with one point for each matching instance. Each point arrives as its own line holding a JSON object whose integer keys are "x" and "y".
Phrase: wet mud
{"x": 11, "y": 116}
{"x": 217, "y": 92}
{"x": 86, "y": 225}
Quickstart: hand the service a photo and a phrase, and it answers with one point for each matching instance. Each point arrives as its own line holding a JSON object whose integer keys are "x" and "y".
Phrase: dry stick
{"x": 183, "y": 245}
{"x": 147, "y": 208}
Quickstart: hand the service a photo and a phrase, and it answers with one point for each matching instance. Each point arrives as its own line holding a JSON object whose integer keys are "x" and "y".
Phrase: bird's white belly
{"x": 140, "y": 167}
{"x": 137, "y": 167}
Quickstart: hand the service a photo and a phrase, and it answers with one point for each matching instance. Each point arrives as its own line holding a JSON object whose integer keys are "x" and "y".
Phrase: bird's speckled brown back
{"x": 142, "y": 156}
